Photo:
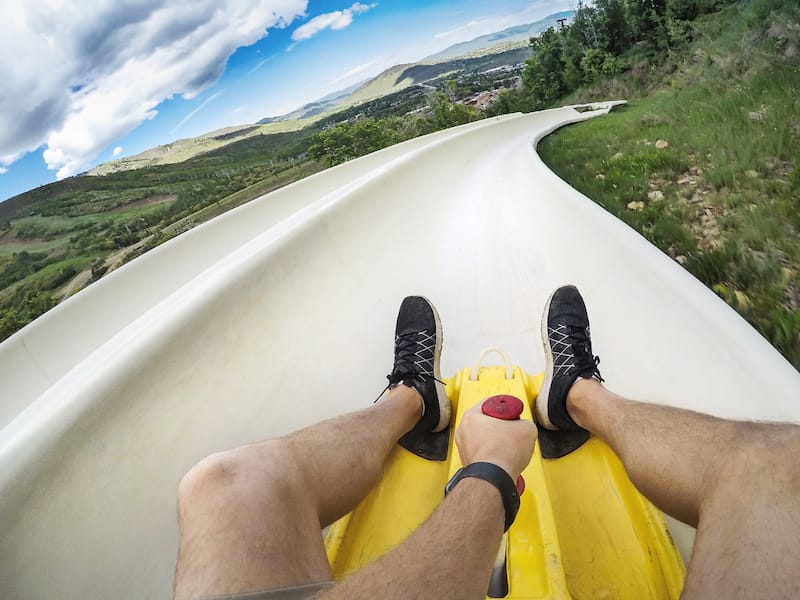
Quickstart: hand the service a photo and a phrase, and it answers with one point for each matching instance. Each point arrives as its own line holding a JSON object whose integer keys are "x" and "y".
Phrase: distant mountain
{"x": 507, "y": 47}
{"x": 326, "y": 103}
{"x": 400, "y": 76}
{"x": 518, "y": 33}
{"x": 387, "y": 82}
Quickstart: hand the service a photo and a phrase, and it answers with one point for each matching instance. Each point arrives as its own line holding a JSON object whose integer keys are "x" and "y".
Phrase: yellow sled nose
{"x": 583, "y": 531}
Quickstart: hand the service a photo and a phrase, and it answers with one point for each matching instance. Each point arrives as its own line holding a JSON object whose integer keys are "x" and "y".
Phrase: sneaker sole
{"x": 441, "y": 394}
{"x": 541, "y": 406}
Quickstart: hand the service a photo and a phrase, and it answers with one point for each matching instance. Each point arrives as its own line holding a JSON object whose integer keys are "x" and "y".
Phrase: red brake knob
{"x": 505, "y": 407}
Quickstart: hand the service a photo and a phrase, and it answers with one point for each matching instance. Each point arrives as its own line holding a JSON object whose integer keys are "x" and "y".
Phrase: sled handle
{"x": 503, "y": 354}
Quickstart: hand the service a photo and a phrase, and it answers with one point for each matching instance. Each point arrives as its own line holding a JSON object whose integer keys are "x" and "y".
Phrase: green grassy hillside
{"x": 58, "y": 238}
{"x": 705, "y": 160}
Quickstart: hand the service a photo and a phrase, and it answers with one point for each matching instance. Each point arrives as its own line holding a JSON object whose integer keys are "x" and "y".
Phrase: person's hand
{"x": 508, "y": 444}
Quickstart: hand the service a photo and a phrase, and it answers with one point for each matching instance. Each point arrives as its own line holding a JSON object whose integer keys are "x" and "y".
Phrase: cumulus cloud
{"x": 117, "y": 151}
{"x": 76, "y": 80}
{"x": 338, "y": 19}
{"x": 3, "y": 170}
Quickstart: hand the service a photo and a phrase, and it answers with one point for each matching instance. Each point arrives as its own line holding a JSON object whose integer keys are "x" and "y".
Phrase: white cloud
{"x": 3, "y": 170}
{"x": 77, "y": 79}
{"x": 338, "y": 19}
{"x": 469, "y": 27}
{"x": 196, "y": 110}
{"x": 117, "y": 151}
{"x": 259, "y": 65}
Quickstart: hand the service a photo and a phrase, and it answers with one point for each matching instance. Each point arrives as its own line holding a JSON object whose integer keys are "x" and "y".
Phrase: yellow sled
{"x": 583, "y": 531}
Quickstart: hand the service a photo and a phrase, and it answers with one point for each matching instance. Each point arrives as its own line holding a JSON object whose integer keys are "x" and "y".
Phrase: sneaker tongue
{"x": 408, "y": 334}
{"x": 404, "y": 348}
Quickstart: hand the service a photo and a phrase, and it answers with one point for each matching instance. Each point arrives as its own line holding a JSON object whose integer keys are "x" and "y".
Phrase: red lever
{"x": 507, "y": 408}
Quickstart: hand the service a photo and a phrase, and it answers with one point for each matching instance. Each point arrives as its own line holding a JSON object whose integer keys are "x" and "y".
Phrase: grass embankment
{"x": 290, "y": 175}
{"x": 57, "y": 239}
{"x": 705, "y": 163}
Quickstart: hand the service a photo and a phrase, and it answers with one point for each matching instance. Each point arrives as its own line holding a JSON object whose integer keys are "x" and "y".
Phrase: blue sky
{"x": 83, "y": 86}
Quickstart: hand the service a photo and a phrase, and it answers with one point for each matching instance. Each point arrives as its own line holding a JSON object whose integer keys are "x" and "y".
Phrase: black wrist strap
{"x": 498, "y": 478}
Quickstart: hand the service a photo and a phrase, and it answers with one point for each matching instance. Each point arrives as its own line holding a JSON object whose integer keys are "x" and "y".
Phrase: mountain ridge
{"x": 496, "y": 42}
{"x": 393, "y": 79}
{"x": 515, "y": 33}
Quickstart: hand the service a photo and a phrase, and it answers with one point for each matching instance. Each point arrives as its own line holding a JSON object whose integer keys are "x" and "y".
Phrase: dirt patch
{"x": 10, "y": 244}
{"x": 111, "y": 263}
{"x": 77, "y": 282}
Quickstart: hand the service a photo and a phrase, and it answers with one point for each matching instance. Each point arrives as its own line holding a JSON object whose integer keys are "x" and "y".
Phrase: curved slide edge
{"x": 36, "y": 357}
{"x": 286, "y": 318}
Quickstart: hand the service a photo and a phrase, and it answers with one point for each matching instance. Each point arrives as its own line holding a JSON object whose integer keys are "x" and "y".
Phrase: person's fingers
{"x": 509, "y": 444}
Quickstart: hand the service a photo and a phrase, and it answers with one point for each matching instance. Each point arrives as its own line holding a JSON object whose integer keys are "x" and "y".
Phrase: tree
{"x": 346, "y": 141}
{"x": 646, "y": 21}
{"x": 447, "y": 114}
{"x": 508, "y": 102}
{"x": 597, "y": 65}
{"x": 613, "y": 30}
{"x": 543, "y": 76}
{"x": 579, "y": 37}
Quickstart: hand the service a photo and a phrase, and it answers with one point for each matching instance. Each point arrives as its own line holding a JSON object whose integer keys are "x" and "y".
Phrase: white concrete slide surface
{"x": 281, "y": 313}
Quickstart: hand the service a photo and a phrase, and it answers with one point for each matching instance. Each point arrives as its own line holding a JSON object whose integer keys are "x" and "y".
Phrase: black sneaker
{"x": 417, "y": 347}
{"x": 568, "y": 355}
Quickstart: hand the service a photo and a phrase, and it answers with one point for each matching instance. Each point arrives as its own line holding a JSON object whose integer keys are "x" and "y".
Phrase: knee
{"x": 768, "y": 454}
{"x": 238, "y": 476}
{"x": 212, "y": 476}
{"x": 779, "y": 446}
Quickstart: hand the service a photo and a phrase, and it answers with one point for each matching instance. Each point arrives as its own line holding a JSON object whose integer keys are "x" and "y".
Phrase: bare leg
{"x": 737, "y": 482}
{"x": 451, "y": 554}
{"x": 250, "y": 518}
